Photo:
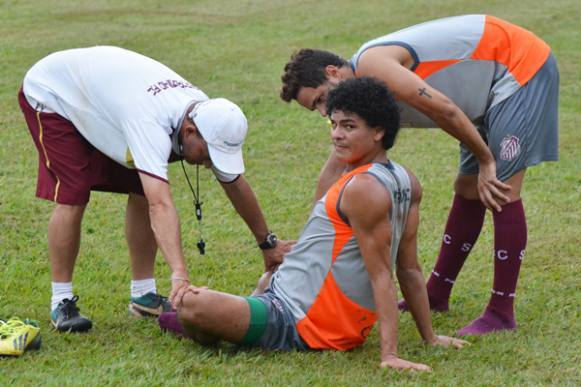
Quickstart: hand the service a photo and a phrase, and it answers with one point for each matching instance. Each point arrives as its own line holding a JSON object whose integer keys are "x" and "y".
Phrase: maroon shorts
{"x": 69, "y": 167}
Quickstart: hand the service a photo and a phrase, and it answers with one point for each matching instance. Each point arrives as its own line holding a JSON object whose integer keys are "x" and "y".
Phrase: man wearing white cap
{"x": 108, "y": 119}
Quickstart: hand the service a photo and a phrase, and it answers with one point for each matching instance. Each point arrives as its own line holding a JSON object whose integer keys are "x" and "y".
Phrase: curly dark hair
{"x": 371, "y": 100}
{"x": 306, "y": 68}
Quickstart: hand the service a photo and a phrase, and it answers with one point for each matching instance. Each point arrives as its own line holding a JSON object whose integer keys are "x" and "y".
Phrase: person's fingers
{"x": 421, "y": 367}
{"x": 289, "y": 244}
{"x": 493, "y": 203}
{"x": 174, "y": 300}
{"x": 458, "y": 343}
{"x": 446, "y": 341}
{"x": 486, "y": 199}
{"x": 180, "y": 296}
{"x": 404, "y": 365}
{"x": 196, "y": 289}
{"x": 501, "y": 185}
{"x": 490, "y": 196}
{"x": 275, "y": 255}
{"x": 496, "y": 192}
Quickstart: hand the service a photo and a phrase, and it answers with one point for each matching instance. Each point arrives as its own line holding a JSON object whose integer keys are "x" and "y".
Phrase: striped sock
{"x": 462, "y": 230}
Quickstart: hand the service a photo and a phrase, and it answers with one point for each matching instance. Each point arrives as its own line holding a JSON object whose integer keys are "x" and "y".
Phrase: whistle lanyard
{"x": 197, "y": 205}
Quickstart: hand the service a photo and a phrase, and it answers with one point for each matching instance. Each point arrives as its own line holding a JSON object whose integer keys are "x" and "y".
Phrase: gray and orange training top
{"x": 323, "y": 281}
{"x": 475, "y": 60}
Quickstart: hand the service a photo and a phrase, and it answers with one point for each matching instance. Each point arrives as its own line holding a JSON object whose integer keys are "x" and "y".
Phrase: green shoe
{"x": 66, "y": 317}
{"x": 149, "y": 305}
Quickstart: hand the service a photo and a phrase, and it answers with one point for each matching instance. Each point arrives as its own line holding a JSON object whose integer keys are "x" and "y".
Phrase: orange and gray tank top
{"x": 323, "y": 280}
{"x": 475, "y": 60}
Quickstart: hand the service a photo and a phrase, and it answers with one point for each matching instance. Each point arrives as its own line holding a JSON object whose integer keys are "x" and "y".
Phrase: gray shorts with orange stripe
{"x": 69, "y": 167}
{"x": 522, "y": 130}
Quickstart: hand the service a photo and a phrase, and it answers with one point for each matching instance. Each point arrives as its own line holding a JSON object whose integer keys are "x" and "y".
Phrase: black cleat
{"x": 66, "y": 317}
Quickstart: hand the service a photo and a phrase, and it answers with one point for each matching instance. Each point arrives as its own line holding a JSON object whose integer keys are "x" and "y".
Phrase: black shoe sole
{"x": 76, "y": 329}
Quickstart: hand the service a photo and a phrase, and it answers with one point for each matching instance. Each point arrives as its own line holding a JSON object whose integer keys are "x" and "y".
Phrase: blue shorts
{"x": 522, "y": 130}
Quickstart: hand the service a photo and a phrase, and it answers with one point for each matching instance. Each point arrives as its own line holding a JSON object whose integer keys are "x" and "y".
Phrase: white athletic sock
{"x": 60, "y": 291}
{"x": 141, "y": 287}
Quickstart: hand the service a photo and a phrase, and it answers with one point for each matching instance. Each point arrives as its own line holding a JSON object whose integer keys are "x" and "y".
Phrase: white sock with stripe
{"x": 60, "y": 291}
{"x": 142, "y": 287}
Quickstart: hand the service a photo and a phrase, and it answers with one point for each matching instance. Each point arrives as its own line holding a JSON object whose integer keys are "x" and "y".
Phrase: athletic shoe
{"x": 16, "y": 336}
{"x": 36, "y": 341}
{"x": 149, "y": 305}
{"x": 66, "y": 317}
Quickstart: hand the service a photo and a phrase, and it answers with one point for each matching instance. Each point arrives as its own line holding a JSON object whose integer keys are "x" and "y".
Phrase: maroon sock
{"x": 168, "y": 321}
{"x": 510, "y": 240}
{"x": 462, "y": 230}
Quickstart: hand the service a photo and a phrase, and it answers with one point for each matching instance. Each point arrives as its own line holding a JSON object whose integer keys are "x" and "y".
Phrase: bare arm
{"x": 244, "y": 201}
{"x": 409, "y": 272}
{"x": 166, "y": 228}
{"x": 386, "y": 63}
{"x": 410, "y": 277}
{"x": 366, "y": 204}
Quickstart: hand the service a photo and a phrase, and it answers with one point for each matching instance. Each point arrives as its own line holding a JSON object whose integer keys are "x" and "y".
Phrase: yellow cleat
{"x": 16, "y": 336}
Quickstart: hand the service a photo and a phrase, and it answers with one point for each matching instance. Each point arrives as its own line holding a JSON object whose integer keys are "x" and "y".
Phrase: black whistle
{"x": 198, "y": 211}
{"x": 201, "y": 247}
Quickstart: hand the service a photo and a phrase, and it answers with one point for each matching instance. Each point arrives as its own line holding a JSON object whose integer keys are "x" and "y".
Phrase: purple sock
{"x": 168, "y": 321}
{"x": 462, "y": 230}
{"x": 510, "y": 239}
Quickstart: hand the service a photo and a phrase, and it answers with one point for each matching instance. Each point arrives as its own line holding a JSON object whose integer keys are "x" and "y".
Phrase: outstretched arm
{"x": 166, "y": 228}
{"x": 386, "y": 63}
{"x": 244, "y": 201}
{"x": 411, "y": 279}
{"x": 366, "y": 203}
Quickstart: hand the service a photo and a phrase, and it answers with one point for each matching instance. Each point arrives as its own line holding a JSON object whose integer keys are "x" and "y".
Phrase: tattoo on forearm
{"x": 424, "y": 92}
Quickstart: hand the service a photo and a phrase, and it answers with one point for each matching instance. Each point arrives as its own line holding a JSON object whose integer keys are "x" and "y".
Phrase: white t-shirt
{"x": 125, "y": 104}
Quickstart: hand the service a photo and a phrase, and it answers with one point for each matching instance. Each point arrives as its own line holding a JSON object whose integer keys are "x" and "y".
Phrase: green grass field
{"x": 237, "y": 49}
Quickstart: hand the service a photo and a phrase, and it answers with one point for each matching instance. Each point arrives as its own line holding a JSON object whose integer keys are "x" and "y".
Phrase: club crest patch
{"x": 509, "y": 148}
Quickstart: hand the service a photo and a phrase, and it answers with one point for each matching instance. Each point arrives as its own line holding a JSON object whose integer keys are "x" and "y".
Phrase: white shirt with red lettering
{"x": 125, "y": 104}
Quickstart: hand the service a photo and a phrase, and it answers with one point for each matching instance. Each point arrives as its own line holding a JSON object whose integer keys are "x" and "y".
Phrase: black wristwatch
{"x": 269, "y": 242}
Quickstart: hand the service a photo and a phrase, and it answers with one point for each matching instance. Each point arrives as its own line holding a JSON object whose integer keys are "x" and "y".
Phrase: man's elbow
{"x": 447, "y": 112}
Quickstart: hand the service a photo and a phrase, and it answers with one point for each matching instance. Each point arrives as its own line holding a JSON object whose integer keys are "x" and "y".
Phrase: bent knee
{"x": 192, "y": 308}
{"x": 467, "y": 186}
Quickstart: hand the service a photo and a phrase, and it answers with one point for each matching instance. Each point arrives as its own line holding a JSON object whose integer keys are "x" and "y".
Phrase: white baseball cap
{"x": 223, "y": 126}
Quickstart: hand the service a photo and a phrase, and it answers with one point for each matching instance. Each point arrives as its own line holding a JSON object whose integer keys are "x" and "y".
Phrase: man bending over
{"x": 337, "y": 280}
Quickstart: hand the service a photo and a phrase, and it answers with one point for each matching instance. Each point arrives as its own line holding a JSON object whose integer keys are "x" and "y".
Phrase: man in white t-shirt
{"x": 108, "y": 119}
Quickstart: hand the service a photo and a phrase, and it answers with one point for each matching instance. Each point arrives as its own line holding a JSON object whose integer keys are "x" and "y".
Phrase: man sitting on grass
{"x": 337, "y": 280}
